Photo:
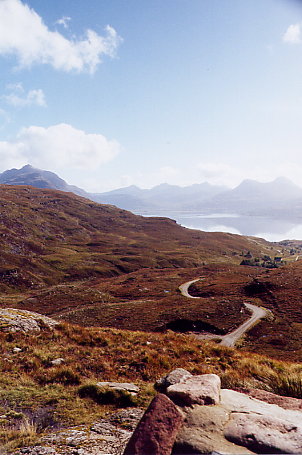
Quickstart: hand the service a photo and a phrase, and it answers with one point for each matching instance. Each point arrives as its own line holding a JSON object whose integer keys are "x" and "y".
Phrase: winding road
{"x": 231, "y": 338}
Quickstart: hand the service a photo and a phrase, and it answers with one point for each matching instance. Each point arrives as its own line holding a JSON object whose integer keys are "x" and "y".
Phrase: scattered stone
{"x": 103, "y": 438}
{"x": 16, "y": 350}
{"x": 127, "y": 386}
{"x": 38, "y": 450}
{"x": 15, "y": 320}
{"x": 58, "y": 361}
{"x": 127, "y": 418}
{"x": 157, "y": 430}
{"x": 203, "y": 389}
{"x": 176, "y": 376}
{"x": 236, "y": 423}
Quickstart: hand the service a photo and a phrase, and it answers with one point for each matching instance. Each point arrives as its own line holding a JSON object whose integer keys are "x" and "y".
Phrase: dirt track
{"x": 231, "y": 338}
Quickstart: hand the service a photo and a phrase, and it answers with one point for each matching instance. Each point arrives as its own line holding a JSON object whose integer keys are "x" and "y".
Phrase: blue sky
{"x": 119, "y": 92}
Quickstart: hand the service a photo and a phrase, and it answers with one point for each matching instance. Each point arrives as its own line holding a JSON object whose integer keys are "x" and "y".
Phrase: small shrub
{"x": 106, "y": 395}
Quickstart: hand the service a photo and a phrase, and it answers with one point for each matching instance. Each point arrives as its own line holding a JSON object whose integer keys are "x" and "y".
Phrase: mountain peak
{"x": 29, "y": 175}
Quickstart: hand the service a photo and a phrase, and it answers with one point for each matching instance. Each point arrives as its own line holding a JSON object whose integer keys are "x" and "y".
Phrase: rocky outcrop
{"x": 15, "y": 320}
{"x": 233, "y": 423}
{"x": 218, "y": 421}
{"x": 156, "y": 432}
{"x": 203, "y": 432}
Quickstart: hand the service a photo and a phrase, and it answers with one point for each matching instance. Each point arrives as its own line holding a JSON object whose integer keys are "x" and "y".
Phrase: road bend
{"x": 231, "y": 338}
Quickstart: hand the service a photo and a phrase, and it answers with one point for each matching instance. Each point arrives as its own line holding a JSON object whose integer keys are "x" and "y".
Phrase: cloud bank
{"x": 57, "y": 147}
{"x": 24, "y": 35}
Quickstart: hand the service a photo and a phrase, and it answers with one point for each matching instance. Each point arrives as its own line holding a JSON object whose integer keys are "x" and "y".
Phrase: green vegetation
{"x": 107, "y": 395}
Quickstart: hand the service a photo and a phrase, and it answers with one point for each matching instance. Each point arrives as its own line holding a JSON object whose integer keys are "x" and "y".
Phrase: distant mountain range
{"x": 280, "y": 197}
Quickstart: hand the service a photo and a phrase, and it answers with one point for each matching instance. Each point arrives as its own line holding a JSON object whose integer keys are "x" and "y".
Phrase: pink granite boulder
{"x": 157, "y": 430}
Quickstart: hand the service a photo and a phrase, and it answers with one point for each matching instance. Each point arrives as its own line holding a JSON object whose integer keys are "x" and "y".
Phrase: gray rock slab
{"x": 203, "y": 389}
{"x": 264, "y": 434}
{"x": 238, "y": 402}
{"x": 128, "y": 386}
{"x": 58, "y": 361}
{"x": 202, "y": 432}
{"x": 272, "y": 398}
{"x": 15, "y": 320}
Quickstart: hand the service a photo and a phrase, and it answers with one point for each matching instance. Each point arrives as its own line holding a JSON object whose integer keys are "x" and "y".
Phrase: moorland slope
{"x": 68, "y": 257}
{"x": 49, "y": 236}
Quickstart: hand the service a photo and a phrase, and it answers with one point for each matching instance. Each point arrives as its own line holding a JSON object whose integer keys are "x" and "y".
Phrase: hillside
{"x": 92, "y": 264}
{"x": 48, "y": 237}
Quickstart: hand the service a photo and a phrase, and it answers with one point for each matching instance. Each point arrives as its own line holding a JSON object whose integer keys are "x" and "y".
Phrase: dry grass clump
{"x": 30, "y": 384}
{"x": 17, "y": 434}
{"x": 288, "y": 383}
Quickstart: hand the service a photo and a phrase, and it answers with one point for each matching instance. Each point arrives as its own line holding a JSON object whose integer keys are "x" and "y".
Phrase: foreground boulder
{"x": 156, "y": 432}
{"x": 15, "y": 320}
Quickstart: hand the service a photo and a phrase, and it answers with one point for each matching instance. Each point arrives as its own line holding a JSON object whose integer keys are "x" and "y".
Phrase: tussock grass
{"x": 17, "y": 435}
{"x": 288, "y": 383}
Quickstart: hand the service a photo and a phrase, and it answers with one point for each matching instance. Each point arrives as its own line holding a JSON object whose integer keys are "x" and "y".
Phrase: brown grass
{"x": 29, "y": 383}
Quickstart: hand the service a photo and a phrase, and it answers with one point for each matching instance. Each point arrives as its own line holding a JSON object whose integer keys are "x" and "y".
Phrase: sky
{"x": 110, "y": 93}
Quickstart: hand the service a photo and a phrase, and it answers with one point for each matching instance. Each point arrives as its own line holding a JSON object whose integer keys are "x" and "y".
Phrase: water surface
{"x": 271, "y": 229}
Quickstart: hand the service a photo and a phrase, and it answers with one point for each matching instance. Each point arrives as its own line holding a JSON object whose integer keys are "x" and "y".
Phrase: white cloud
{"x": 168, "y": 173}
{"x": 24, "y": 35}
{"x": 219, "y": 173}
{"x": 293, "y": 34}
{"x": 19, "y": 98}
{"x": 57, "y": 147}
{"x": 64, "y": 21}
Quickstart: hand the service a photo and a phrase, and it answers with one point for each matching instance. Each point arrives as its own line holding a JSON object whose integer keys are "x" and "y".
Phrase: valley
{"x": 110, "y": 280}
{"x": 96, "y": 265}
